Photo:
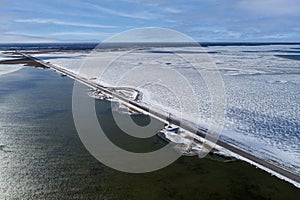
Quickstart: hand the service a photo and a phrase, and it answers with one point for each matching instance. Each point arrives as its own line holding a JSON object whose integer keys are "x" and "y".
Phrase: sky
{"x": 202, "y": 20}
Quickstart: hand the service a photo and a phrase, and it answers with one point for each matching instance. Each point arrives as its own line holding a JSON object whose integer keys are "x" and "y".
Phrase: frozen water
{"x": 262, "y": 93}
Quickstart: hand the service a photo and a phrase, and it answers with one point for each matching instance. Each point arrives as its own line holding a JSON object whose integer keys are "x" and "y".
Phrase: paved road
{"x": 165, "y": 117}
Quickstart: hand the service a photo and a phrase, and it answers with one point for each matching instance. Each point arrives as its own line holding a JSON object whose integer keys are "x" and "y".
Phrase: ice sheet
{"x": 262, "y": 93}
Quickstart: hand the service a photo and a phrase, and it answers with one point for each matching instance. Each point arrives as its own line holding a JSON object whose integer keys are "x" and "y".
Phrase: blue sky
{"x": 203, "y": 20}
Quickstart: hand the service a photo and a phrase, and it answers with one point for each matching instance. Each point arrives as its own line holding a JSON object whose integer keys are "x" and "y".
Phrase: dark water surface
{"x": 42, "y": 157}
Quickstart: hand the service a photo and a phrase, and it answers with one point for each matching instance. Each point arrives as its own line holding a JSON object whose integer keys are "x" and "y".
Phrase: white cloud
{"x": 271, "y": 7}
{"x": 57, "y": 22}
{"x": 172, "y": 10}
{"x": 227, "y": 33}
{"x": 21, "y": 38}
{"x": 150, "y": 34}
{"x": 160, "y": 5}
{"x": 278, "y": 36}
{"x": 140, "y": 15}
{"x": 72, "y": 33}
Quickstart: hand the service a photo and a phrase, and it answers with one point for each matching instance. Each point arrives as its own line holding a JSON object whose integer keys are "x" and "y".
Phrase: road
{"x": 165, "y": 117}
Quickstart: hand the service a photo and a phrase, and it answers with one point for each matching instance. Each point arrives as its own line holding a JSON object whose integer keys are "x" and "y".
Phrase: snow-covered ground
{"x": 263, "y": 107}
{"x": 5, "y": 68}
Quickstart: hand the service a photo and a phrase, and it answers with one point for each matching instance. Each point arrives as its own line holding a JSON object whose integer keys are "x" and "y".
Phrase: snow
{"x": 5, "y": 68}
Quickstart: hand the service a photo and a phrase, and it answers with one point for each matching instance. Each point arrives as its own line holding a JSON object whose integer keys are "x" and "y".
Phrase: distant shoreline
{"x": 92, "y": 45}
